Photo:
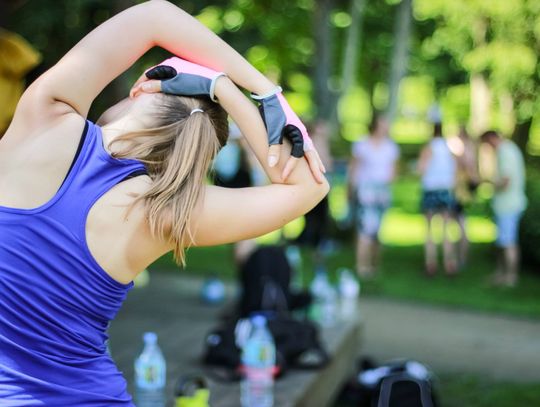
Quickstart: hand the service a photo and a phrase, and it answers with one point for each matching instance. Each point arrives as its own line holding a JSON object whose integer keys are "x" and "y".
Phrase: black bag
{"x": 297, "y": 345}
{"x": 264, "y": 280}
{"x": 403, "y": 383}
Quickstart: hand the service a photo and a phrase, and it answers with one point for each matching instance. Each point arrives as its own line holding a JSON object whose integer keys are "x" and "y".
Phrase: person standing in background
{"x": 371, "y": 171}
{"x": 17, "y": 59}
{"x": 509, "y": 202}
{"x": 467, "y": 180}
{"x": 317, "y": 220}
{"x": 437, "y": 167}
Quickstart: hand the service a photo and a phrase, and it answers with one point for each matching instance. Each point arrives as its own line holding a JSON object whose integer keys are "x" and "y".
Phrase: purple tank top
{"x": 56, "y": 302}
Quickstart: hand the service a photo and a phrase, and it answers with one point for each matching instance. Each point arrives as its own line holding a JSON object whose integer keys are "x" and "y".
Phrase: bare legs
{"x": 367, "y": 256}
{"x": 508, "y": 261}
{"x": 463, "y": 244}
{"x": 431, "y": 247}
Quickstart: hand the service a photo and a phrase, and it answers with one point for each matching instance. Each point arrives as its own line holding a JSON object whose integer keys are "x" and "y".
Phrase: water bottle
{"x": 150, "y": 374}
{"x": 258, "y": 360}
{"x": 323, "y": 308}
{"x": 213, "y": 291}
{"x": 294, "y": 256}
{"x": 349, "y": 289}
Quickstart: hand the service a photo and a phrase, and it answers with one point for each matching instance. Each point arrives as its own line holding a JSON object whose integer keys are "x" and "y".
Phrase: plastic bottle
{"x": 150, "y": 374}
{"x": 294, "y": 256}
{"x": 258, "y": 360}
{"x": 323, "y": 309}
{"x": 349, "y": 290}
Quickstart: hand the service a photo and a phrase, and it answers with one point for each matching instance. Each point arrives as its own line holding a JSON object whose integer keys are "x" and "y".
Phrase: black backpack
{"x": 297, "y": 346}
{"x": 264, "y": 279}
{"x": 402, "y": 383}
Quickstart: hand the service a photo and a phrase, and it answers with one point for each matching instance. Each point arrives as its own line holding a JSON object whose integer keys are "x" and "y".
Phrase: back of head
{"x": 437, "y": 130}
{"x": 177, "y": 152}
{"x": 378, "y": 125}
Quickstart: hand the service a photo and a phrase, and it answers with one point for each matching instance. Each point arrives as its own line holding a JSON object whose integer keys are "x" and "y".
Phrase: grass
{"x": 453, "y": 390}
{"x": 401, "y": 274}
{"x": 473, "y": 391}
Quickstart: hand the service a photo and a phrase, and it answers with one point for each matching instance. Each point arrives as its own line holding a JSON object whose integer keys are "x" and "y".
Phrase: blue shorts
{"x": 373, "y": 201}
{"x": 370, "y": 219}
{"x": 507, "y": 228}
{"x": 439, "y": 200}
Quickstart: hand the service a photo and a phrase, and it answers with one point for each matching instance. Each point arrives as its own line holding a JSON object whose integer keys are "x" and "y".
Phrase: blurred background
{"x": 468, "y": 63}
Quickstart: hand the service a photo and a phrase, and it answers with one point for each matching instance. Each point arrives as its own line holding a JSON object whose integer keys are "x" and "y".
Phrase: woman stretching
{"x": 84, "y": 208}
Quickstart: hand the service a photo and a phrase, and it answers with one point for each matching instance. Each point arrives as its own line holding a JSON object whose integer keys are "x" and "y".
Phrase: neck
{"x": 111, "y": 131}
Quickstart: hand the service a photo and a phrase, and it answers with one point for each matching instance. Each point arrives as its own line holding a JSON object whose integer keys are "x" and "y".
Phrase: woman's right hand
{"x": 180, "y": 77}
{"x": 177, "y": 76}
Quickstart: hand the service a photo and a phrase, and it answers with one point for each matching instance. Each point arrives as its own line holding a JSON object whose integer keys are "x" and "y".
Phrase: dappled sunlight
{"x": 405, "y": 229}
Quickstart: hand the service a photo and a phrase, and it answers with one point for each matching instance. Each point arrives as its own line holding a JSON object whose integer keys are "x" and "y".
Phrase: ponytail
{"x": 177, "y": 154}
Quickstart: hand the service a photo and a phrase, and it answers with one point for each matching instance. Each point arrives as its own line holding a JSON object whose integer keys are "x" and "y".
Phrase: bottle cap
{"x": 258, "y": 320}
{"x": 150, "y": 337}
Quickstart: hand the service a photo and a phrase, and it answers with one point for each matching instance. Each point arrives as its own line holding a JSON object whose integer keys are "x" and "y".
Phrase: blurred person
{"x": 509, "y": 203}
{"x": 372, "y": 169}
{"x": 317, "y": 220}
{"x": 85, "y": 208}
{"x": 467, "y": 180}
{"x": 437, "y": 166}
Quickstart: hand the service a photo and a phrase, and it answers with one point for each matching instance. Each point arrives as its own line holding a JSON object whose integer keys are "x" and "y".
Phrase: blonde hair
{"x": 177, "y": 153}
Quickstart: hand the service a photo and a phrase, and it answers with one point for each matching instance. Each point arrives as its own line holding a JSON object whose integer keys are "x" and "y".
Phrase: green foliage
{"x": 530, "y": 223}
{"x": 498, "y": 38}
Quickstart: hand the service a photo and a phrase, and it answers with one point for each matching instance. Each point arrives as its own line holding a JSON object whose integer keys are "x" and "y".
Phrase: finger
{"x": 321, "y": 165}
{"x": 147, "y": 86}
{"x": 314, "y": 166}
{"x": 141, "y": 79}
{"x": 273, "y": 154}
{"x": 289, "y": 167}
{"x": 152, "y": 86}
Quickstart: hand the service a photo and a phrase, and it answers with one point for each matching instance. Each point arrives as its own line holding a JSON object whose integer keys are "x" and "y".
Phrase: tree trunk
{"x": 353, "y": 45}
{"x": 323, "y": 53}
{"x": 480, "y": 103}
{"x": 400, "y": 55}
{"x": 521, "y": 134}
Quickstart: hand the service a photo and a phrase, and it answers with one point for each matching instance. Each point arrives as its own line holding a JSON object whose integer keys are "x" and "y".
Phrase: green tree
{"x": 496, "y": 42}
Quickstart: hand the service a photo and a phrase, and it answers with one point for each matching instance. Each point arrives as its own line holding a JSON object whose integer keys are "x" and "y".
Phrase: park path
{"x": 451, "y": 340}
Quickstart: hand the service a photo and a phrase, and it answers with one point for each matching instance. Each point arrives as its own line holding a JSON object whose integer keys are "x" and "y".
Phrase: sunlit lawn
{"x": 401, "y": 272}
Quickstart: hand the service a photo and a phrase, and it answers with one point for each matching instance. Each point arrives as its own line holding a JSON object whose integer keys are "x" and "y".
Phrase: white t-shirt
{"x": 376, "y": 161}
{"x": 441, "y": 169}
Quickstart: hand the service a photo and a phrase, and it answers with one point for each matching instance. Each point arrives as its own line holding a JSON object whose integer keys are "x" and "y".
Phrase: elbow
{"x": 318, "y": 192}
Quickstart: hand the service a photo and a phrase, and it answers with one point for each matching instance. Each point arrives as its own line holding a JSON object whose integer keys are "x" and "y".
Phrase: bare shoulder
{"x": 37, "y": 111}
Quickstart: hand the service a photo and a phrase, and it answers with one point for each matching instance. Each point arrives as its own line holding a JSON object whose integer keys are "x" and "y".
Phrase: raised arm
{"x": 228, "y": 215}
{"x": 115, "y": 45}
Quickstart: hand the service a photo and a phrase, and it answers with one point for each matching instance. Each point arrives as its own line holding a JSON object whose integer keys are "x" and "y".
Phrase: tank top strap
{"x": 93, "y": 173}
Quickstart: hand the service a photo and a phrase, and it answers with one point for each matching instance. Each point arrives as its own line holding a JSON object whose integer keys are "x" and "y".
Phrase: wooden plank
{"x": 170, "y": 307}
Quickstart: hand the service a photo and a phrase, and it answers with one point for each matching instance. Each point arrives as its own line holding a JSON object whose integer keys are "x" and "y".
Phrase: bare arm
{"x": 115, "y": 45}
{"x": 228, "y": 215}
{"x": 423, "y": 161}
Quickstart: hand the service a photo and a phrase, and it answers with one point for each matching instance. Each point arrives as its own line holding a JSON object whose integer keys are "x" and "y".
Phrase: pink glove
{"x": 184, "y": 78}
{"x": 280, "y": 121}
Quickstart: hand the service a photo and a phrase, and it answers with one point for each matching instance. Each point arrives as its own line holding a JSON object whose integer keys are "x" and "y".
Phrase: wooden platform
{"x": 169, "y": 305}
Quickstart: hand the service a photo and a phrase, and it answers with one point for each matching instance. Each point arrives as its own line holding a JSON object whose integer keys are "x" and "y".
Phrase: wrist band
{"x": 213, "y": 86}
{"x": 273, "y": 92}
